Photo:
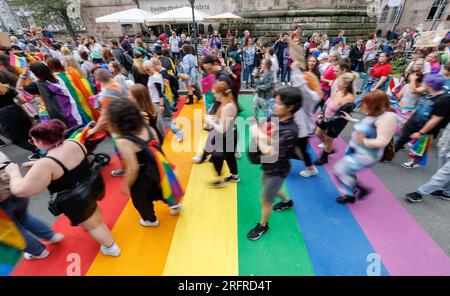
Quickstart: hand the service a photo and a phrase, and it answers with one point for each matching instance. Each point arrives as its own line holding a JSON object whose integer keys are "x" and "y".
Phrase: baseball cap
{"x": 96, "y": 56}
{"x": 435, "y": 81}
{"x": 323, "y": 56}
{"x": 158, "y": 48}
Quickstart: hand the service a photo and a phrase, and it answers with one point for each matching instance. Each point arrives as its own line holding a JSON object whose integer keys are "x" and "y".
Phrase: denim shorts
{"x": 272, "y": 186}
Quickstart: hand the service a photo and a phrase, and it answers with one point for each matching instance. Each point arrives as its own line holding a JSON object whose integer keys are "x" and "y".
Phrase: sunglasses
{"x": 4, "y": 164}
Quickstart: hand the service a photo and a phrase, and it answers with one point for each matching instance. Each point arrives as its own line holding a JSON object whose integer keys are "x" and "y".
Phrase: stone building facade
{"x": 91, "y": 9}
{"x": 8, "y": 17}
{"x": 267, "y": 18}
{"x": 415, "y": 13}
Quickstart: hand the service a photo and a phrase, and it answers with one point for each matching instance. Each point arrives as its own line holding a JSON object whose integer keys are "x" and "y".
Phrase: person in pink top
{"x": 330, "y": 122}
{"x": 433, "y": 61}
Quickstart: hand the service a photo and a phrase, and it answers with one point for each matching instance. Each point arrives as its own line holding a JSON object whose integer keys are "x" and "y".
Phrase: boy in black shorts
{"x": 282, "y": 143}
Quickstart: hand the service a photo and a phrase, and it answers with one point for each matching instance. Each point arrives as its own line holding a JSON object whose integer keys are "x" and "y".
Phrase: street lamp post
{"x": 194, "y": 27}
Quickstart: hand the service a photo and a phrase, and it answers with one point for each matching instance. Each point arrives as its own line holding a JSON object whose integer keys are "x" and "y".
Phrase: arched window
{"x": 435, "y": 7}
{"x": 394, "y": 14}
{"x": 384, "y": 14}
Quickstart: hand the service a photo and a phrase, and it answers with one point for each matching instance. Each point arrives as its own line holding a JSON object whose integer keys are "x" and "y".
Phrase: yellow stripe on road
{"x": 144, "y": 250}
{"x": 205, "y": 238}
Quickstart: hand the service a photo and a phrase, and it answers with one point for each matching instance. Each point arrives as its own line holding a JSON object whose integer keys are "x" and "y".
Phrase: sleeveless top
{"x": 147, "y": 163}
{"x": 331, "y": 108}
{"x": 70, "y": 177}
{"x": 366, "y": 126}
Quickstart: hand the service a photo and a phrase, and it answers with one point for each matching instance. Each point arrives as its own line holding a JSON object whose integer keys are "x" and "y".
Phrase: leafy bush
{"x": 399, "y": 65}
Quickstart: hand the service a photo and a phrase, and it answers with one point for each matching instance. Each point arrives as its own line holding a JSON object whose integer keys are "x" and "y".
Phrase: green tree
{"x": 48, "y": 9}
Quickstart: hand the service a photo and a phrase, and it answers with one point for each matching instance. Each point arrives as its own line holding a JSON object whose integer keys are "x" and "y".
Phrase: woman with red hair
{"x": 372, "y": 135}
{"x": 223, "y": 124}
{"x": 61, "y": 171}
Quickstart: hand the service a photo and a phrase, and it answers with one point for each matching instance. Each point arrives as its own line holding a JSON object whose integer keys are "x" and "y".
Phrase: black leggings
{"x": 219, "y": 157}
{"x": 302, "y": 143}
{"x": 143, "y": 193}
{"x": 230, "y": 158}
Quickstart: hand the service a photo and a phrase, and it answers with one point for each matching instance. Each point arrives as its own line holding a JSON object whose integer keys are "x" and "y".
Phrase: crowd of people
{"x": 131, "y": 92}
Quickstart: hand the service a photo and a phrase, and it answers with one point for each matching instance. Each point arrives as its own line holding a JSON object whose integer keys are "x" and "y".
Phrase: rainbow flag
{"x": 30, "y": 58}
{"x": 80, "y": 90}
{"x": 11, "y": 244}
{"x": 170, "y": 187}
{"x": 420, "y": 149}
{"x": 80, "y": 136}
{"x": 18, "y": 62}
{"x": 42, "y": 112}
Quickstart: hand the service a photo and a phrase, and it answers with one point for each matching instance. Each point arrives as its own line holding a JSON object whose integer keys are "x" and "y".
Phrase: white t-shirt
{"x": 326, "y": 46}
{"x": 275, "y": 67}
{"x": 96, "y": 48}
{"x": 174, "y": 44}
{"x": 154, "y": 94}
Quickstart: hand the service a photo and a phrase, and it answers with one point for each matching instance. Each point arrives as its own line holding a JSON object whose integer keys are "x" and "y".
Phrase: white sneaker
{"x": 56, "y": 238}
{"x": 411, "y": 165}
{"x": 148, "y": 223}
{"x": 238, "y": 155}
{"x": 175, "y": 210}
{"x": 118, "y": 173}
{"x": 283, "y": 83}
{"x": 30, "y": 257}
{"x": 180, "y": 137}
{"x": 309, "y": 173}
{"x": 321, "y": 145}
{"x": 114, "y": 250}
{"x": 197, "y": 159}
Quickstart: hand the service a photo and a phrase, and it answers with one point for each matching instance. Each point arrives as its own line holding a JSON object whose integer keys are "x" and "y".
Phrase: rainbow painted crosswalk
{"x": 317, "y": 237}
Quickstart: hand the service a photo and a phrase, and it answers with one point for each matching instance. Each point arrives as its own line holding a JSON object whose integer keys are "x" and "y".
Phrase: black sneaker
{"x": 323, "y": 159}
{"x": 282, "y": 206}
{"x": 363, "y": 192}
{"x": 441, "y": 194}
{"x": 217, "y": 184}
{"x": 257, "y": 232}
{"x": 414, "y": 197}
{"x": 345, "y": 199}
{"x": 232, "y": 178}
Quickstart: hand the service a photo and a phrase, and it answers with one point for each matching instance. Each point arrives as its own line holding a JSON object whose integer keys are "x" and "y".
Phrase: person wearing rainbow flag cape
{"x": 149, "y": 176}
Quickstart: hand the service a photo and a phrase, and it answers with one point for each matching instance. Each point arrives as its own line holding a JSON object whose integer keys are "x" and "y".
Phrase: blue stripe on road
{"x": 5, "y": 269}
{"x": 335, "y": 242}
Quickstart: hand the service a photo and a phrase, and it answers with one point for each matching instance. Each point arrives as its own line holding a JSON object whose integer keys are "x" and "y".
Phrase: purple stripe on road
{"x": 403, "y": 245}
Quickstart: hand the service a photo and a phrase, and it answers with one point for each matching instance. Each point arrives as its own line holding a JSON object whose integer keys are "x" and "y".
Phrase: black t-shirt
{"x": 441, "y": 108}
{"x": 32, "y": 88}
{"x": 7, "y": 99}
{"x": 288, "y": 132}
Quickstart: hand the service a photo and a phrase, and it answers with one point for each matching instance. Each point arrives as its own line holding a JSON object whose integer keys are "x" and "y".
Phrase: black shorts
{"x": 78, "y": 210}
{"x": 334, "y": 131}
